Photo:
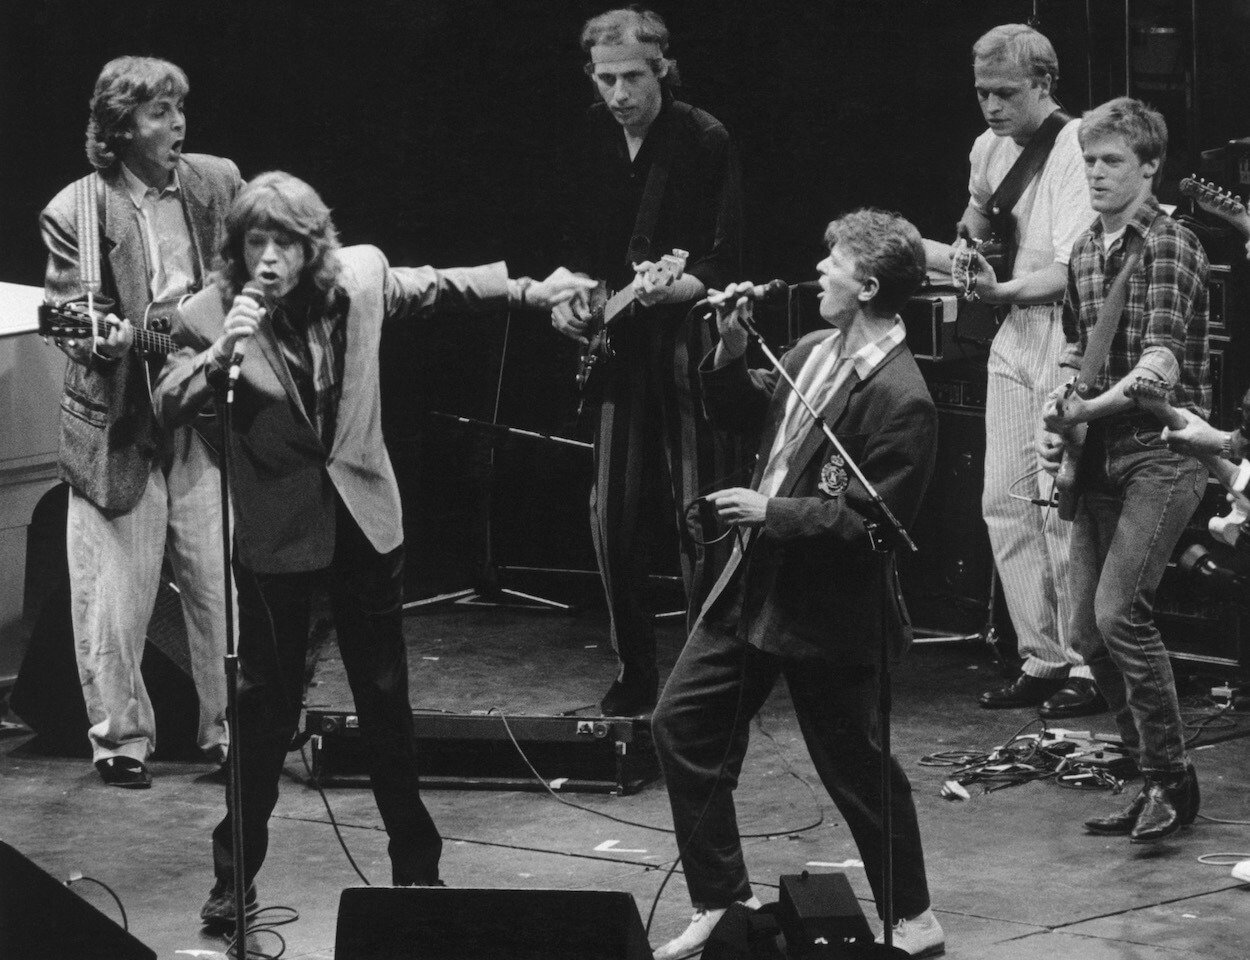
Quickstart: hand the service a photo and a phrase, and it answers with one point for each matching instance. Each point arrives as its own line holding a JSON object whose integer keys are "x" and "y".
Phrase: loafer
{"x": 218, "y": 909}
{"x": 1079, "y": 697}
{"x": 125, "y": 772}
{"x": 921, "y": 936}
{"x": 1171, "y": 803}
{"x": 1121, "y": 823}
{"x": 691, "y": 941}
{"x": 630, "y": 696}
{"x": 1024, "y": 691}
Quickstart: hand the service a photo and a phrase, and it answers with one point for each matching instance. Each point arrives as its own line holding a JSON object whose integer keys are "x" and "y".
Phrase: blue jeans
{"x": 1136, "y": 497}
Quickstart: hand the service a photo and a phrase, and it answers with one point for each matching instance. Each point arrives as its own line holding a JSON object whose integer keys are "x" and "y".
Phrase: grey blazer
{"x": 284, "y": 479}
{"x": 109, "y": 436}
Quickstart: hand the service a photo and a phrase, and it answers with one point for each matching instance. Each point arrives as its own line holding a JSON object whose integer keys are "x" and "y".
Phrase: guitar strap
{"x": 640, "y": 243}
{"x": 1098, "y": 344}
{"x": 1027, "y": 166}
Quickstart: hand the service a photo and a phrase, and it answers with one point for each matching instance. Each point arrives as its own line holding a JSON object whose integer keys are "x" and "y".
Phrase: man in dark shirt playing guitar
{"x": 655, "y": 175}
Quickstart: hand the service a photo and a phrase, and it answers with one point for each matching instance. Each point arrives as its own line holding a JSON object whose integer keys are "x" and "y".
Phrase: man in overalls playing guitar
{"x": 138, "y": 231}
{"x": 655, "y": 175}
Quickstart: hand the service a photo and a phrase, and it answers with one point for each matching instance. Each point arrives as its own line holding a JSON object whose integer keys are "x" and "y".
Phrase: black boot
{"x": 1171, "y": 803}
{"x": 631, "y": 695}
{"x": 1119, "y": 824}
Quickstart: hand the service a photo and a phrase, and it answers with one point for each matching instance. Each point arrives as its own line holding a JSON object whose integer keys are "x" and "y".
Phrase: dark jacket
{"x": 809, "y": 585}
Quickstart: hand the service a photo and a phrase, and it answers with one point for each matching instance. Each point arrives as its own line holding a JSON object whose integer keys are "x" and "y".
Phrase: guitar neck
{"x": 616, "y": 304}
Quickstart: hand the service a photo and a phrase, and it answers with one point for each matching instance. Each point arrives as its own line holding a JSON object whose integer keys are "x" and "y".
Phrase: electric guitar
{"x": 1152, "y": 396}
{"x": 1223, "y": 204}
{"x": 1073, "y": 446}
{"x": 151, "y": 340}
{"x": 605, "y": 310}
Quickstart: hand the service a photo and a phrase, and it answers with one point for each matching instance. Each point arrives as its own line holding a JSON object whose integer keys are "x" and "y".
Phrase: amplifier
{"x": 476, "y": 751}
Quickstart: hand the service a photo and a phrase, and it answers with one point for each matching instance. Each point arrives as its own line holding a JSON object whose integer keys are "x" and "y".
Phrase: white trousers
{"x": 114, "y": 570}
{"x": 1030, "y": 543}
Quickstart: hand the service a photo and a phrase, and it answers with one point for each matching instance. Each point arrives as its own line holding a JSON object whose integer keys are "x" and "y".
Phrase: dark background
{"x": 435, "y": 130}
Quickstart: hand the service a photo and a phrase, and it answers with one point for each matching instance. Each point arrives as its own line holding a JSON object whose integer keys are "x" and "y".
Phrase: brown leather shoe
{"x": 1024, "y": 691}
{"x": 125, "y": 772}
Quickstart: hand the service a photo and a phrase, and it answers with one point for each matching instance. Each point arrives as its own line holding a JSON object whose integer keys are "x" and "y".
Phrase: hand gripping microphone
{"x": 769, "y": 292}
{"x": 257, "y": 293}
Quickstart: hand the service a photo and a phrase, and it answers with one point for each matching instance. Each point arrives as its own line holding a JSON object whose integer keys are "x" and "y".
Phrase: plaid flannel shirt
{"x": 1164, "y": 326}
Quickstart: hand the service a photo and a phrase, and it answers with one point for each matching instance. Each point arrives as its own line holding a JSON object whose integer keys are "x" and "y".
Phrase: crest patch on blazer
{"x": 833, "y": 477}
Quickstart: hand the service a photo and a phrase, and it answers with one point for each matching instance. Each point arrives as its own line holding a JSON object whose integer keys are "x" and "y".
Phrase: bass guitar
{"x": 1152, "y": 396}
{"x": 605, "y": 311}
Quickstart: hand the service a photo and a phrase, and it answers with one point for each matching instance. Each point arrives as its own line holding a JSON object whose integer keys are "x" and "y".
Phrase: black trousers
{"x": 703, "y": 720}
{"x": 366, "y": 597}
{"x": 655, "y": 451}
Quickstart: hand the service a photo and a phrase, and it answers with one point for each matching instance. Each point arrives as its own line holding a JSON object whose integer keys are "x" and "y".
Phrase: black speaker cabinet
{"x": 947, "y": 582}
{"x": 41, "y": 918}
{"x": 446, "y": 923}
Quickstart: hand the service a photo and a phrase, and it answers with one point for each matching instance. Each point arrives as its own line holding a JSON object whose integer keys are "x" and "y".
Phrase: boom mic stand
{"x": 883, "y": 541}
{"x": 235, "y": 786}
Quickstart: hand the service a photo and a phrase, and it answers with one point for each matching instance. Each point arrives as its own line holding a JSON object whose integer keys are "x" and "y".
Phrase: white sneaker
{"x": 921, "y": 936}
{"x": 692, "y": 940}
{"x": 1241, "y": 871}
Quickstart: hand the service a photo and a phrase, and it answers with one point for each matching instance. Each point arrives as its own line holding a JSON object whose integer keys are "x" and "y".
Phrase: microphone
{"x": 257, "y": 293}
{"x": 770, "y": 292}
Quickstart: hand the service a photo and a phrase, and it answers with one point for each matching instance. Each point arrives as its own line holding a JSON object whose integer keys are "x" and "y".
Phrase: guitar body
{"x": 1066, "y": 493}
{"x": 152, "y": 342}
{"x": 597, "y": 354}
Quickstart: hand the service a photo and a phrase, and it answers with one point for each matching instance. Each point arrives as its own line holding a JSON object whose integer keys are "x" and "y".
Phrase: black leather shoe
{"x": 1024, "y": 691}
{"x": 630, "y": 697}
{"x": 1079, "y": 697}
{"x": 125, "y": 772}
{"x": 1171, "y": 803}
{"x": 1119, "y": 824}
{"x": 218, "y": 909}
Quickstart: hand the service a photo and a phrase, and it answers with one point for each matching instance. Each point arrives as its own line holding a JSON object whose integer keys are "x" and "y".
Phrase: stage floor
{"x": 1012, "y": 873}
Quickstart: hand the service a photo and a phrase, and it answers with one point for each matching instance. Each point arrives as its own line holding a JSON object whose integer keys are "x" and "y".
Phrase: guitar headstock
{"x": 671, "y": 266}
{"x": 1213, "y": 199}
{"x": 1150, "y": 394}
{"x": 68, "y": 320}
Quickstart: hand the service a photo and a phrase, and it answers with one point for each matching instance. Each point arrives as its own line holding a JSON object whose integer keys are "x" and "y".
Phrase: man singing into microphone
{"x": 804, "y": 595}
{"x": 316, "y": 502}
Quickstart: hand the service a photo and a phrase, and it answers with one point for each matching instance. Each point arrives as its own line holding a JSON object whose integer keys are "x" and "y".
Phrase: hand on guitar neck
{"x": 1152, "y": 396}
{"x": 108, "y": 337}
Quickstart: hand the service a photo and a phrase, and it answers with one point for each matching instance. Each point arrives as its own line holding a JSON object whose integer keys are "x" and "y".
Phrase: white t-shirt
{"x": 1053, "y": 210}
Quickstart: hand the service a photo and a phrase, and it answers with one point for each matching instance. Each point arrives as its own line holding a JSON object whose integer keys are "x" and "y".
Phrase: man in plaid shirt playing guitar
{"x": 1135, "y": 495}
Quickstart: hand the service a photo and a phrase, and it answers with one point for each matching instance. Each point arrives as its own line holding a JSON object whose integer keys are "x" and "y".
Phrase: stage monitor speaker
{"x": 818, "y": 914}
{"x": 41, "y": 918}
{"x": 446, "y": 923}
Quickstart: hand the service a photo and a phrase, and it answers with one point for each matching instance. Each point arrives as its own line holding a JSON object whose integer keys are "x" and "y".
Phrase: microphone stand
{"x": 882, "y": 541}
{"x": 234, "y": 796}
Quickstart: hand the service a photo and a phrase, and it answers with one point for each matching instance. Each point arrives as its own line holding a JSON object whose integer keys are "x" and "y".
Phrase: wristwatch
{"x": 520, "y": 285}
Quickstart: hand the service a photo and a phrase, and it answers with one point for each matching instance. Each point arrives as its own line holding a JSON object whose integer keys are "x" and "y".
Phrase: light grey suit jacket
{"x": 109, "y": 436}
{"x": 283, "y": 477}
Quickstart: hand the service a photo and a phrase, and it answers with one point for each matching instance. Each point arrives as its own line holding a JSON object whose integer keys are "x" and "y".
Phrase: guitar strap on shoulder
{"x": 640, "y": 242}
{"x": 1028, "y": 165}
{"x": 1098, "y": 344}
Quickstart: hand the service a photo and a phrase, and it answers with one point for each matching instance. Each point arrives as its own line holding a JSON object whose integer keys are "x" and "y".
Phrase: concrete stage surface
{"x": 1013, "y": 875}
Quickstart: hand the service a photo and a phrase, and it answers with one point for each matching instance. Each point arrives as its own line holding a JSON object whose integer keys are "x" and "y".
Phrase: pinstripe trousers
{"x": 655, "y": 451}
{"x": 1030, "y": 543}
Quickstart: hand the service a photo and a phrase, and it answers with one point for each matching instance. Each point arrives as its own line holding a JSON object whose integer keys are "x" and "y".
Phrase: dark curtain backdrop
{"x": 435, "y": 129}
